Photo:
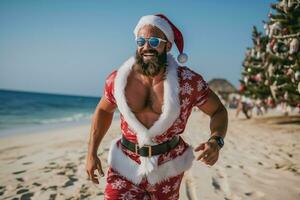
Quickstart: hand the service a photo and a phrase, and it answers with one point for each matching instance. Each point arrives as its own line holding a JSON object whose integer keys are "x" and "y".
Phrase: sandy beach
{"x": 260, "y": 160}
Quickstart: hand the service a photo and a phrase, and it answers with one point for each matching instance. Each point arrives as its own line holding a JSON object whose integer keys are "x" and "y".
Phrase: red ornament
{"x": 270, "y": 15}
{"x": 270, "y": 102}
{"x": 285, "y": 31}
{"x": 258, "y": 77}
{"x": 272, "y": 42}
{"x": 242, "y": 88}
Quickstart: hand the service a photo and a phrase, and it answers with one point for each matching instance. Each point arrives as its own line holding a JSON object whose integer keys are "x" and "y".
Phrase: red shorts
{"x": 118, "y": 187}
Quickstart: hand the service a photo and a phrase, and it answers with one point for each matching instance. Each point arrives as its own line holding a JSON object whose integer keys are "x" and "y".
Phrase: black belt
{"x": 147, "y": 150}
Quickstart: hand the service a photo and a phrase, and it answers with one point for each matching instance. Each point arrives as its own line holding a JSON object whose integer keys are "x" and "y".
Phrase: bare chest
{"x": 144, "y": 101}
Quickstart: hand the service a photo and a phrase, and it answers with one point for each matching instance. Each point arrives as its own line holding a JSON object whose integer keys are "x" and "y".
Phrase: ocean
{"x": 30, "y": 111}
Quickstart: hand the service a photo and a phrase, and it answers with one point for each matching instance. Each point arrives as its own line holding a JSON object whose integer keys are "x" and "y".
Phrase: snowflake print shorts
{"x": 119, "y": 188}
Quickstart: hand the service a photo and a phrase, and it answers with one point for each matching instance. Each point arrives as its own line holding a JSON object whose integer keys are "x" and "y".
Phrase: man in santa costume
{"x": 155, "y": 97}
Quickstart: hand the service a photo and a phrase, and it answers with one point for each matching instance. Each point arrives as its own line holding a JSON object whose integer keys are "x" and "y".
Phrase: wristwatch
{"x": 219, "y": 140}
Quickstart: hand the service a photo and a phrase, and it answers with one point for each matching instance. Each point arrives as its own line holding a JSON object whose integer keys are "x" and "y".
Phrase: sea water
{"x": 31, "y": 111}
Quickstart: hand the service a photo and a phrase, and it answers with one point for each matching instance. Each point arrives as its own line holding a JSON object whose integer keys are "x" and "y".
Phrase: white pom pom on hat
{"x": 168, "y": 28}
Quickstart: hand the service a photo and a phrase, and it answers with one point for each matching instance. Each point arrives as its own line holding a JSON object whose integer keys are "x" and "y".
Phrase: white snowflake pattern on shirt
{"x": 166, "y": 189}
{"x": 186, "y": 89}
{"x": 127, "y": 196}
{"x": 184, "y": 115}
{"x": 187, "y": 74}
{"x": 118, "y": 184}
{"x": 185, "y": 103}
{"x": 200, "y": 85}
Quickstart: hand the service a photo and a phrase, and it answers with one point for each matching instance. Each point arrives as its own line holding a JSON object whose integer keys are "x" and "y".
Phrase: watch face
{"x": 220, "y": 141}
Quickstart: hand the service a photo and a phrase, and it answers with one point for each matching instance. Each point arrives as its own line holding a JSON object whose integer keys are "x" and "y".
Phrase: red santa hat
{"x": 168, "y": 28}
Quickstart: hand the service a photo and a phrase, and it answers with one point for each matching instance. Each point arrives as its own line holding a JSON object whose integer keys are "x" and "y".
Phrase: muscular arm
{"x": 101, "y": 122}
{"x": 218, "y": 115}
{"x": 218, "y": 126}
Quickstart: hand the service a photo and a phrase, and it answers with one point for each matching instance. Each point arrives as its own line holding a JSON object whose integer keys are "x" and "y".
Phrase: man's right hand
{"x": 93, "y": 163}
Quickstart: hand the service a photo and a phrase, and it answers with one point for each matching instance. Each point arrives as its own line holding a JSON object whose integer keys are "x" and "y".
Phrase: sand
{"x": 260, "y": 160}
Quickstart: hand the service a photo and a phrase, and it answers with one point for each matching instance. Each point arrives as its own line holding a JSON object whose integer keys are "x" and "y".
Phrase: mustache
{"x": 150, "y": 51}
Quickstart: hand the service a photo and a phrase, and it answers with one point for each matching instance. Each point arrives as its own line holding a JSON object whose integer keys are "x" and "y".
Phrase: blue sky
{"x": 69, "y": 47}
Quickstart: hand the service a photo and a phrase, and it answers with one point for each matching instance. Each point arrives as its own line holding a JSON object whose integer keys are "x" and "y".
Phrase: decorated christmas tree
{"x": 272, "y": 66}
{"x": 254, "y": 78}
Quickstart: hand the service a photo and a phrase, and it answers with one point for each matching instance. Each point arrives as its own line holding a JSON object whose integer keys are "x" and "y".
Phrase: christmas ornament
{"x": 294, "y": 46}
{"x": 242, "y": 88}
{"x": 267, "y": 29}
{"x": 258, "y": 77}
{"x": 271, "y": 69}
{"x": 270, "y": 15}
{"x": 248, "y": 53}
{"x": 289, "y": 72}
{"x": 274, "y": 29}
{"x": 270, "y": 101}
{"x": 268, "y": 48}
{"x": 246, "y": 79}
{"x": 274, "y": 89}
{"x": 290, "y": 3}
{"x": 258, "y": 40}
{"x": 283, "y": 5}
{"x": 258, "y": 56}
{"x": 285, "y": 31}
{"x": 297, "y": 75}
{"x": 286, "y": 96}
{"x": 266, "y": 82}
{"x": 253, "y": 53}
{"x": 272, "y": 43}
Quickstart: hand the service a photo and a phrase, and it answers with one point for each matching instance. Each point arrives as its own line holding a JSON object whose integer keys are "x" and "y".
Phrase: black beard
{"x": 150, "y": 68}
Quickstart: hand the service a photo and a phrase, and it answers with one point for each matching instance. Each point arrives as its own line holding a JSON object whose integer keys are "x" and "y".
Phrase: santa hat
{"x": 168, "y": 28}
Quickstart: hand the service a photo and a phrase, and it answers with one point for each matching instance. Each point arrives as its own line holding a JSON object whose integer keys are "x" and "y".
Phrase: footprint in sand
{"x": 248, "y": 193}
{"x": 36, "y": 184}
{"x": 26, "y": 163}
{"x": 19, "y": 172}
{"x": 20, "y": 179}
{"x": 221, "y": 183}
{"x": 2, "y": 190}
{"x": 84, "y": 192}
{"x": 100, "y": 194}
{"x": 215, "y": 184}
{"x": 82, "y": 158}
{"x": 52, "y": 196}
{"x": 246, "y": 174}
{"x": 27, "y": 196}
{"x": 260, "y": 163}
{"x": 70, "y": 181}
{"x": 22, "y": 191}
{"x": 53, "y": 187}
{"x": 61, "y": 173}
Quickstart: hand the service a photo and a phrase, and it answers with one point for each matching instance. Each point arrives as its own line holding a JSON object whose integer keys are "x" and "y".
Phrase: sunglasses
{"x": 154, "y": 42}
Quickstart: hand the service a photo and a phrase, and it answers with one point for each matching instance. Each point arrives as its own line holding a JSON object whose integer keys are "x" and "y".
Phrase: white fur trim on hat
{"x": 159, "y": 22}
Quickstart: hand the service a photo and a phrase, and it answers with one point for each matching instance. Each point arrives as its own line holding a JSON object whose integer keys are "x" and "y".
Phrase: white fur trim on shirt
{"x": 170, "y": 107}
{"x": 129, "y": 169}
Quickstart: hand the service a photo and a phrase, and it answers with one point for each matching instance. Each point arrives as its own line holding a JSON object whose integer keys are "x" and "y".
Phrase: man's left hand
{"x": 210, "y": 152}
